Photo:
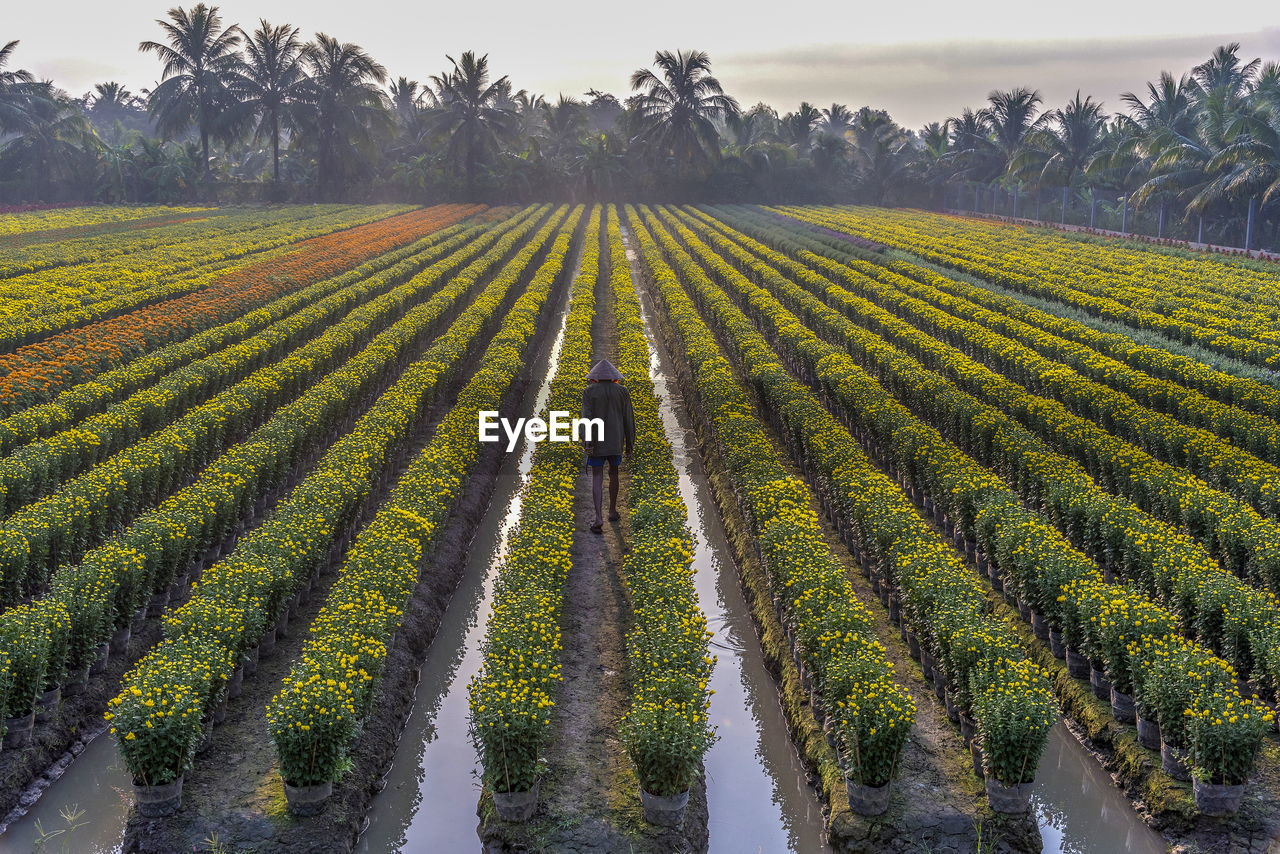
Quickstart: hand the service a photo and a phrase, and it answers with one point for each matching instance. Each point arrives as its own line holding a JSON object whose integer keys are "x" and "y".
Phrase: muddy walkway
{"x": 590, "y": 800}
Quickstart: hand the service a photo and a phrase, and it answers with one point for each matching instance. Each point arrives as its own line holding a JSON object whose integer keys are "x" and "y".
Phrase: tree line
{"x": 261, "y": 114}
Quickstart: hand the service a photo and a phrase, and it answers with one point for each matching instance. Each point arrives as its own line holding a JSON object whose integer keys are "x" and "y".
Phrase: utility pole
{"x": 1248, "y": 228}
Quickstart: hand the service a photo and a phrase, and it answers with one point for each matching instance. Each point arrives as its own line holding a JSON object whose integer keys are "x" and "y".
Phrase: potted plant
{"x": 1140, "y": 668}
{"x": 872, "y": 725}
{"x": 1014, "y": 709}
{"x": 508, "y": 728}
{"x": 58, "y": 626}
{"x": 666, "y": 735}
{"x": 1168, "y": 689}
{"x": 1225, "y": 733}
{"x": 156, "y": 721}
{"x": 24, "y": 635}
{"x": 1124, "y": 621}
{"x": 312, "y": 719}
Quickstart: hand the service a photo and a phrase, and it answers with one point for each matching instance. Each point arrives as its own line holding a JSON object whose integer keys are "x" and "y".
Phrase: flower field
{"x": 980, "y": 481}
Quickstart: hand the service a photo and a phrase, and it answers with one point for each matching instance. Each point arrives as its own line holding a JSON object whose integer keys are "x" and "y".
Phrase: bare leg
{"x": 597, "y": 492}
{"x": 613, "y": 489}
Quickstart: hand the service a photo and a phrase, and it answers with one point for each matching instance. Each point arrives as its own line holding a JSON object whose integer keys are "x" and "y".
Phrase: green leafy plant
{"x": 24, "y": 636}
{"x": 1225, "y": 732}
{"x": 1014, "y": 710}
{"x": 156, "y": 720}
{"x": 873, "y": 725}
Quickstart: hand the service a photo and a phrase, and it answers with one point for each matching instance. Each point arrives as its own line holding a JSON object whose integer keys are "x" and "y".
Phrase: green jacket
{"x": 610, "y": 402}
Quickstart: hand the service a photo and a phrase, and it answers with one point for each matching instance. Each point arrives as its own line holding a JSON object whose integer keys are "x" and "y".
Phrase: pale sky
{"x": 922, "y": 60}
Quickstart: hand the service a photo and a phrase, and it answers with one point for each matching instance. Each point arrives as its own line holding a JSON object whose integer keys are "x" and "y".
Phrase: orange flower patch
{"x": 34, "y": 373}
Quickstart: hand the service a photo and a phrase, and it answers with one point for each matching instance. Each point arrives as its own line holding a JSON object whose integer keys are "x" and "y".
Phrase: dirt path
{"x": 590, "y": 796}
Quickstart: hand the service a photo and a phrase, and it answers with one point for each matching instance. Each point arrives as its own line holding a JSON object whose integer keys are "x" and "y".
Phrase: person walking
{"x": 606, "y": 398}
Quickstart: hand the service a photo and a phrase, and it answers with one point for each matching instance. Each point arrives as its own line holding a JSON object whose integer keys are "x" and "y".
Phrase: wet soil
{"x": 590, "y": 796}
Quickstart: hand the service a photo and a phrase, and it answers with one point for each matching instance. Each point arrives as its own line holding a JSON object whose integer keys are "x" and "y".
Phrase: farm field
{"x": 937, "y": 534}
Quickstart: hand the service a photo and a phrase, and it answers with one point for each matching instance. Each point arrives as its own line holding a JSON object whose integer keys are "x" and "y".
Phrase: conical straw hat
{"x": 604, "y": 371}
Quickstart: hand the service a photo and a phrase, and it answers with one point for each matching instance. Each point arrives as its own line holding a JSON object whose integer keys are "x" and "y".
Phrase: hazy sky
{"x": 921, "y": 59}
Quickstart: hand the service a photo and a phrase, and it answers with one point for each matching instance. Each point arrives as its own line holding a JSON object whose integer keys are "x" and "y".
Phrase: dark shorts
{"x": 597, "y": 462}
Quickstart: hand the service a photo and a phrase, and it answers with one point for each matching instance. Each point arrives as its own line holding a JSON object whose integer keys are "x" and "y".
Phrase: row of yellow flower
{"x": 60, "y": 528}
{"x": 79, "y": 217}
{"x": 942, "y": 602}
{"x": 1225, "y": 613}
{"x": 162, "y": 712}
{"x": 666, "y": 729}
{"x": 1013, "y": 258}
{"x": 1219, "y": 462}
{"x": 1246, "y": 393}
{"x": 512, "y": 697}
{"x": 329, "y": 689}
{"x": 34, "y": 470}
{"x": 86, "y": 602}
{"x": 1115, "y": 626}
{"x": 1257, "y": 434}
{"x": 78, "y": 284}
{"x": 86, "y": 398}
{"x": 830, "y": 628}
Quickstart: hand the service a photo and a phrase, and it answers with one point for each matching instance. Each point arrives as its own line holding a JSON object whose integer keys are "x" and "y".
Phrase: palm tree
{"x": 882, "y": 153}
{"x": 112, "y": 97}
{"x": 50, "y": 145}
{"x": 796, "y": 129}
{"x": 752, "y": 144}
{"x": 600, "y": 167}
{"x": 835, "y": 120}
{"x": 680, "y": 108}
{"x": 1224, "y": 75}
{"x": 564, "y": 124}
{"x": 530, "y": 121}
{"x": 1192, "y": 133}
{"x": 1009, "y": 117}
{"x": 470, "y": 113}
{"x": 1065, "y": 145}
{"x": 931, "y": 164}
{"x": 200, "y": 64}
{"x": 603, "y": 111}
{"x": 342, "y": 108}
{"x": 972, "y": 153}
{"x": 117, "y": 176}
{"x": 17, "y": 91}
{"x": 409, "y": 100}
{"x": 271, "y": 80}
{"x": 1251, "y": 161}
